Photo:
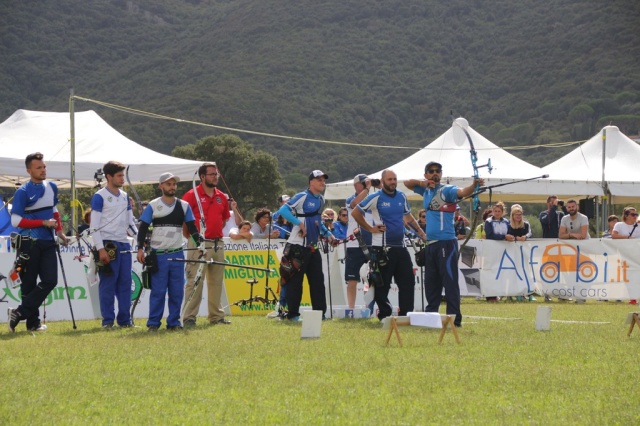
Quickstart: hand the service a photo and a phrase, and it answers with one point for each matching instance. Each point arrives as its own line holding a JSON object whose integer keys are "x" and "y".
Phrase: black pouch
{"x": 374, "y": 277}
{"x": 104, "y": 269}
{"x": 291, "y": 262}
{"x": 146, "y": 279}
{"x": 151, "y": 262}
{"x": 112, "y": 250}
{"x": 379, "y": 255}
{"x": 420, "y": 261}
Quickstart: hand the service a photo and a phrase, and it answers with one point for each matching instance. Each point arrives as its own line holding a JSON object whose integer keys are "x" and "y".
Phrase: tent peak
{"x": 462, "y": 122}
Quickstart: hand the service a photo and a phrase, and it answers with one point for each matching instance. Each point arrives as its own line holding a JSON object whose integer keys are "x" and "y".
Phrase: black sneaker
{"x": 152, "y": 328}
{"x": 107, "y": 326}
{"x": 127, "y": 326}
{"x": 190, "y": 323}
{"x": 39, "y": 327}
{"x": 13, "y": 317}
{"x": 174, "y": 327}
{"x": 221, "y": 321}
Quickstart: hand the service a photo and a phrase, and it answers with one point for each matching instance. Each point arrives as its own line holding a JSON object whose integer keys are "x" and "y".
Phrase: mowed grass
{"x": 259, "y": 371}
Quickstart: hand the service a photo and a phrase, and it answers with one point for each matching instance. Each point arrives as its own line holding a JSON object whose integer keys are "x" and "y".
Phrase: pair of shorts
{"x": 354, "y": 261}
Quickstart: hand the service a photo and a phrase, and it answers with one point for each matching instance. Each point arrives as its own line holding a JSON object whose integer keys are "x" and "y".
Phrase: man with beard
{"x": 112, "y": 222}
{"x": 574, "y": 225}
{"x": 215, "y": 207}
{"x": 36, "y": 216}
{"x": 390, "y": 212}
{"x": 168, "y": 215}
{"x": 441, "y": 253}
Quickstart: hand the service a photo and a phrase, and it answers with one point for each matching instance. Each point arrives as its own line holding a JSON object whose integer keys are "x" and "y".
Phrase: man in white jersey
{"x": 112, "y": 222}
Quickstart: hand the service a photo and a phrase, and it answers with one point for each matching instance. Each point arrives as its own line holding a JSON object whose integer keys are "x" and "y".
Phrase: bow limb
{"x": 133, "y": 189}
{"x": 476, "y": 188}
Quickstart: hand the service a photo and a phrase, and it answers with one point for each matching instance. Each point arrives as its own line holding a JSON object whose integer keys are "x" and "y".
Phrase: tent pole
{"x": 602, "y": 224}
{"x": 72, "y": 142}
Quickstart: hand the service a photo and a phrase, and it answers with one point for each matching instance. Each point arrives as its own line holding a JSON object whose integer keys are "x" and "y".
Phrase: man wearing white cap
{"x": 301, "y": 255}
{"x": 167, "y": 214}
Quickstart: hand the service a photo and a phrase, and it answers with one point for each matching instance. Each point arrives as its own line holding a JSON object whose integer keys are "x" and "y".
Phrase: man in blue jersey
{"x": 112, "y": 222}
{"x": 35, "y": 215}
{"x": 390, "y": 212}
{"x": 301, "y": 255}
{"x": 441, "y": 253}
{"x": 167, "y": 214}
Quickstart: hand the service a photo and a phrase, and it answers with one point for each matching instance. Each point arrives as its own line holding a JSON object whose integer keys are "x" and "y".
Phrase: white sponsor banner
{"x": 587, "y": 269}
{"x": 85, "y": 301}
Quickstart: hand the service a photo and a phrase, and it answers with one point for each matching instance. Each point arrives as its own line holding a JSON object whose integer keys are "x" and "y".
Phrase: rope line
{"x": 296, "y": 138}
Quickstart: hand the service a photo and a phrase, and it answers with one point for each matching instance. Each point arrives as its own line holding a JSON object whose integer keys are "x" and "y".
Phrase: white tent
{"x": 452, "y": 150}
{"x": 96, "y": 142}
{"x": 618, "y": 168}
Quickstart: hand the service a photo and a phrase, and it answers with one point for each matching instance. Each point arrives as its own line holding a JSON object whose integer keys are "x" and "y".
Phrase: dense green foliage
{"x": 366, "y": 71}
{"x": 243, "y": 167}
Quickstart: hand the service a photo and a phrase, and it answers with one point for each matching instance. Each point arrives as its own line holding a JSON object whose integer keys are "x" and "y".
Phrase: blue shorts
{"x": 353, "y": 263}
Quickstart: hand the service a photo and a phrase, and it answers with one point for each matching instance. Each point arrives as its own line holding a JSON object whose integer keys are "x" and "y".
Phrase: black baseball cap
{"x": 432, "y": 163}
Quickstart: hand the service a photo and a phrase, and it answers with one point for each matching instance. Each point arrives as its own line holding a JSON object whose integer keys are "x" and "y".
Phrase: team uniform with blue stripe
{"x": 167, "y": 241}
{"x": 306, "y": 206}
{"x": 112, "y": 221}
{"x": 441, "y": 253}
{"x": 390, "y": 210}
{"x": 36, "y": 201}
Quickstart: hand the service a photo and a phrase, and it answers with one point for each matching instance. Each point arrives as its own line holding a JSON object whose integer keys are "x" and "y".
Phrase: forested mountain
{"x": 384, "y": 72}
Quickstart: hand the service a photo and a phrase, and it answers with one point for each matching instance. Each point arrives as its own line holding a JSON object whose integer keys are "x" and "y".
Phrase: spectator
{"x": 519, "y": 229}
{"x": 460, "y": 224}
{"x": 551, "y": 217}
{"x": 282, "y": 226}
{"x": 611, "y": 220}
{"x": 86, "y": 221}
{"x": 496, "y": 226}
{"x": 574, "y": 225}
{"x": 627, "y": 230}
{"x": 242, "y": 232}
{"x": 422, "y": 219}
{"x": 281, "y": 201}
{"x": 262, "y": 226}
{"x": 235, "y": 218}
{"x": 479, "y": 231}
{"x": 328, "y": 217}
{"x": 341, "y": 225}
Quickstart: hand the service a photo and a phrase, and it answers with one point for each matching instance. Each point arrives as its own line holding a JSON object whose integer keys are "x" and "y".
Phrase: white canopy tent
{"x": 452, "y": 150}
{"x": 96, "y": 142}
{"x": 616, "y": 170}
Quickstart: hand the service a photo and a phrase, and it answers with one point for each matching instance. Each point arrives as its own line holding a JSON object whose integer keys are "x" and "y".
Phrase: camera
{"x": 375, "y": 182}
{"x": 561, "y": 203}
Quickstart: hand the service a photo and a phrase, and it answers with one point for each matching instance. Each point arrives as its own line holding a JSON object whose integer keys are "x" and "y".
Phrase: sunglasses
{"x": 422, "y": 216}
{"x": 633, "y": 214}
{"x": 432, "y": 171}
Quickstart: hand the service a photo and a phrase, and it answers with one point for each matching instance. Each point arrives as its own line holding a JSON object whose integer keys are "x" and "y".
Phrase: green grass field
{"x": 259, "y": 371}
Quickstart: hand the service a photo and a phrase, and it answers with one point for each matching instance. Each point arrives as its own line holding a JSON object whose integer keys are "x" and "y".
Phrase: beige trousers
{"x": 214, "y": 275}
